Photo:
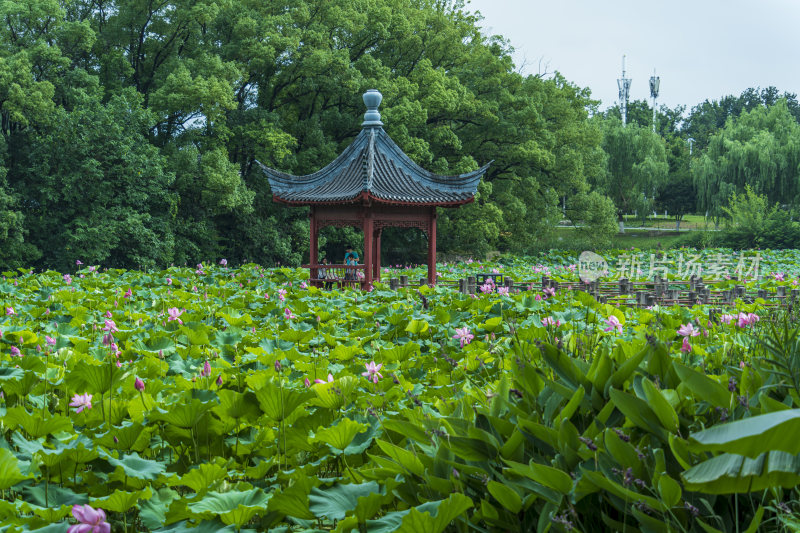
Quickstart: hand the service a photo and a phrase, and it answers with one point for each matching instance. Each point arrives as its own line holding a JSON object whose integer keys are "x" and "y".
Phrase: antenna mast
{"x": 624, "y": 85}
{"x": 655, "y": 83}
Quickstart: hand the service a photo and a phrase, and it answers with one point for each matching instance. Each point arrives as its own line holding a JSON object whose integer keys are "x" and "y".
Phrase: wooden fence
{"x": 639, "y": 293}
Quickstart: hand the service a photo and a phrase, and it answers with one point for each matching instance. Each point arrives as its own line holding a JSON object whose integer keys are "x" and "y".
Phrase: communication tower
{"x": 624, "y": 85}
{"x": 655, "y": 83}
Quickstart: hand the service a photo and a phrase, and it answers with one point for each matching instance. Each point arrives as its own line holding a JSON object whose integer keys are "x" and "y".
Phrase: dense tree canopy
{"x": 637, "y": 166}
{"x": 760, "y": 149}
{"x": 129, "y": 129}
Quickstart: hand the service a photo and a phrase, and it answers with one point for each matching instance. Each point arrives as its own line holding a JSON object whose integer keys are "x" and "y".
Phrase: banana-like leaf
{"x": 735, "y": 474}
{"x": 752, "y": 437}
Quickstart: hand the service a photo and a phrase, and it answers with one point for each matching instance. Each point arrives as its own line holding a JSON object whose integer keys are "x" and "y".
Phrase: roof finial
{"x": 372, "y": 99}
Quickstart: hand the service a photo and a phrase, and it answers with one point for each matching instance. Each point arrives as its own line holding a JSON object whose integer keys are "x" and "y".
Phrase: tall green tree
{"x": 636, "y": 167}
{"x": 759, "y": 149}
{"x": 95, "y": 190}
{"x": 710, "y": 116}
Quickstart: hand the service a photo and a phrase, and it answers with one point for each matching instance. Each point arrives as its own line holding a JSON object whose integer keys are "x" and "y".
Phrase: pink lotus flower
{"x": 747, "y": 319}
{"x": 548, "y": 321}
{"x": 223, "y": 262}
{"x": 538, "y": 297}
{"x": 464, "y": 336}
{"x": 129, "y": 293}
{"x": 549, "y": 291}
{"x": 372, "y": 373}
{"x": 487, "y": 287}
{"x": 50, "y": 340}
{"x": 330, "y": 377}
{"x": 613, "y": 323}
{"x": 15, "y": 352}
{"x": 206, "y": 371}
{"x": 219, "y": 380}
{"x": 687, "y": 330}
{"x": 778, "y": 276}
{"x": 139, "y": 385}
{"x": 67, "y": 279}
{"x": 109, "y": 315}
{"x": 78, "y": 262}
{"x": 726, "y": 319}
{"x": 307, "y": 383}
{"x": 81, "y": 401}
{"x": 169, "y": 281}
{"x": 502, "y": 291}
{"x": 91, "y": 520}
{"x": 282, "y": 294}
{"x": 110, "y": 326}
{"x": 686, "y": 347}
{"x": 174, "y": 314}
{"x": 288, "y": 314}
{"x": 10, "y": 311}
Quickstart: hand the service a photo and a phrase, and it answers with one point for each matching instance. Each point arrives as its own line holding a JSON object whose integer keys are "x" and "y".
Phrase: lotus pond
{"x": 216, "y": 399}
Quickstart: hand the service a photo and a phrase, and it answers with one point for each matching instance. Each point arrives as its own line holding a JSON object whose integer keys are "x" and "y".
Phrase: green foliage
{"x": 595, "y": 216}
{"x": 637, "y": 166}
{"x": 527, "y": 427}
{"x": 758, "y": 149}
{"x": 130, "y": 131}
{"x": 751, "y": 222}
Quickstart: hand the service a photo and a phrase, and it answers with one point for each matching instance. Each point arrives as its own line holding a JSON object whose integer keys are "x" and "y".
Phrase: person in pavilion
{"x": 350, "y": 258}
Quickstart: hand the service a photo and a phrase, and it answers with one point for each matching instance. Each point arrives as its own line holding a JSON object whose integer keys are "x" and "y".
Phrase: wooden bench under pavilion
{"x": 372, "y": 185}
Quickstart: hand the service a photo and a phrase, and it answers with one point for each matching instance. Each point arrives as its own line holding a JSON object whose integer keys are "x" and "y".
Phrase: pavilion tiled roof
{"x": 373, "y": 167}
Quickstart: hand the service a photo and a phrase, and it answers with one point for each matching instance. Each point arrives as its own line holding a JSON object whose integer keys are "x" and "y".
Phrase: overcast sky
{"x": 700, "y": 48}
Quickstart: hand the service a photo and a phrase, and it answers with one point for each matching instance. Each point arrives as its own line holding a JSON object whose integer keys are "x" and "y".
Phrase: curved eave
{"x": 366, "y": 198}
{"x": 374, "y": 168}
{"x": 468, "y": 180}
{"x": 280, "y": 180}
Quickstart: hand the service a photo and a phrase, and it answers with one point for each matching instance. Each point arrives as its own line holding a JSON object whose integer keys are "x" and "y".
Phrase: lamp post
{"x": 655, "y": 83}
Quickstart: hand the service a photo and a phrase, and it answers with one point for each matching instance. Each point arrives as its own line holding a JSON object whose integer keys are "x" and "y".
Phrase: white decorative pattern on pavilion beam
{"x": 373, "y": 185}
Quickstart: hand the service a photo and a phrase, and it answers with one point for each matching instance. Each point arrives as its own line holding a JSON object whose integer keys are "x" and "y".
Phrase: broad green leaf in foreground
{"x": 731, "y": 474}
{"x": 235, "y": 507}
{"x": 752, "y": 436}
{"x": 341, "y": 435}
{"x": 335, "y": 502}
{"x": 10, "y": 474}
{"x": 136, "y": 467}
{"x": 120, "y": 501}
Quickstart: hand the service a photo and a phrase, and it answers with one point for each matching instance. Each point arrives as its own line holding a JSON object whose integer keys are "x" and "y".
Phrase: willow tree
{"x": 760, "y": 148}
{"x": 636, "y": 166}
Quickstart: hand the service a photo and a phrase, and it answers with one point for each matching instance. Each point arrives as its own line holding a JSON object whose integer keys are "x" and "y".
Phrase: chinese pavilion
{"x": 372, "y": 185}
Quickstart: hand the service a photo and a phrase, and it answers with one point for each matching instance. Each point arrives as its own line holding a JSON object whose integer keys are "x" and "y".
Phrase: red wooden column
{"x": 366, "y": 227}
{"x": 313, "y": 254}
{"x": 432, "y": 247}
{"x": 376, "y": 261}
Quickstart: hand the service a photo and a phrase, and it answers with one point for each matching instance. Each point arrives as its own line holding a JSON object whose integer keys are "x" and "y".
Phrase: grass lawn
{"x": 698, "y": 222}
{"x": 637, "y": 239}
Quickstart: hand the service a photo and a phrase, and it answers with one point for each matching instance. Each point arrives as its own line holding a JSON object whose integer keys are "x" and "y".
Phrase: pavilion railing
{"x": 336, "y": 275}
